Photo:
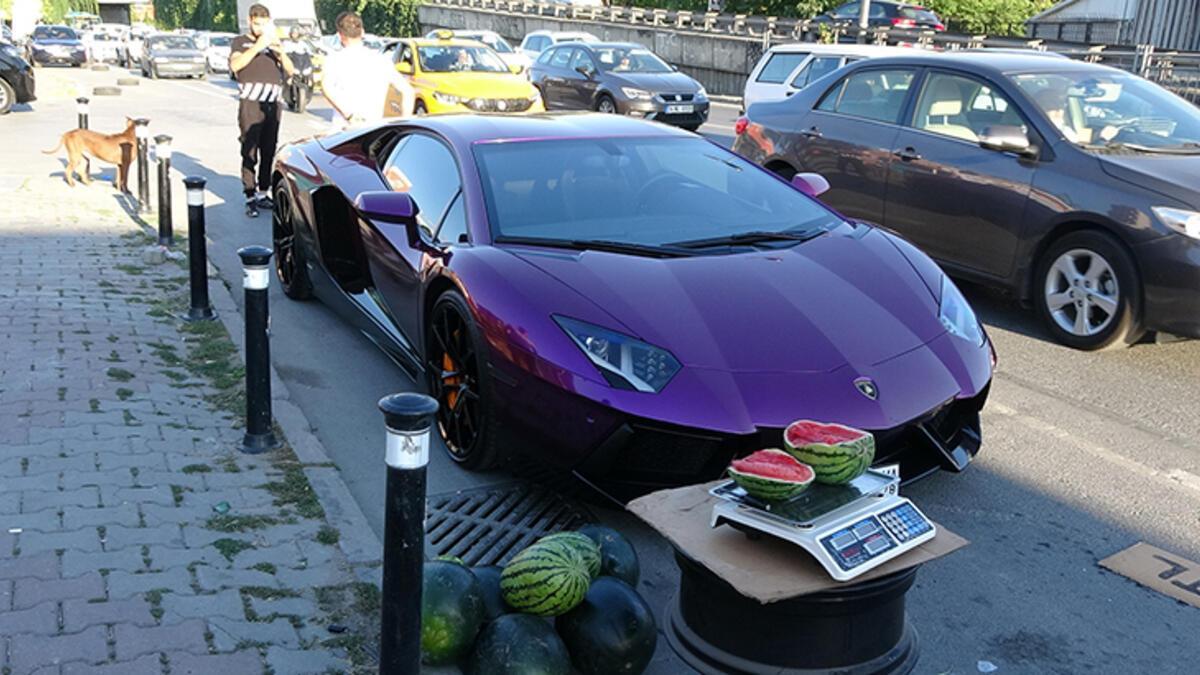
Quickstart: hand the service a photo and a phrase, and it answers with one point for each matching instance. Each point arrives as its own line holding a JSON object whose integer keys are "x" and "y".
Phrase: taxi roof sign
{"x": 444, "y": 34}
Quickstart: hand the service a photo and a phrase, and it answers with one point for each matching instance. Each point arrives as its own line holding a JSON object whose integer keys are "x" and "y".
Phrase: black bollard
{"x": 143, "y": 162}
{"x": 409, "y": 420}
{"x": 200, "y": 309}
{"x": 81, "y": 107}
{"x": 162, "y": 152}
{"x": 256, "y": 278}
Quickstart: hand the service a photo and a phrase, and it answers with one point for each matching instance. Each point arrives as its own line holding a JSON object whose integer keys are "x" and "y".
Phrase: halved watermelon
{"x": 837, "y": 453}
{"x": 771, "y": 475}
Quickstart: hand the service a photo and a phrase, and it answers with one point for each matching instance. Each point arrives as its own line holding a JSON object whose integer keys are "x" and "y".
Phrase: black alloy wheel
{"x": 456, "y": 370}
{"x": 289, "y": 261}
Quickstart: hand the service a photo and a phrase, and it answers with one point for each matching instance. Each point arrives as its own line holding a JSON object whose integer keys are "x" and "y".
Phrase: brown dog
{"x": 116, "y": 149}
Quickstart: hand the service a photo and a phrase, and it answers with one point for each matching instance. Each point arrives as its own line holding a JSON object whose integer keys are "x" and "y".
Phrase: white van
{"x": 786, "y": 69}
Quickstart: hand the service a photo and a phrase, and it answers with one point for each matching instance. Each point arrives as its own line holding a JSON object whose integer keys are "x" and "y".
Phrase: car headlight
{"x": 624, "y": 361}
{"x": 448, "y": 99}
{"x": 702, "y": 94}
{"x": 536, "y": 95}
{"x": 957, "y": 316}
{"x": 640, "y": 94}
{"x": 1180, "y": 220}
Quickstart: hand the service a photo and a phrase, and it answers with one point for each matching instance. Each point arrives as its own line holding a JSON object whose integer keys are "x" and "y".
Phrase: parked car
{"x": 537, "y": 41}
{"x": 104, "y": 47}
{"x": 170, "y": 55}
{"x": 217, "y": 53}
{"x": 887, "y": 14}
{"x": 1072, "y": 184}
{"x": 510, "y": 56}
{"x": 57, "y": 44}
{"x": 16, "y": 78}
{"x": 506, "y": 260}
{"x": 618, "y": 77}
{"x": 785, "y": 69}
{"x": 452, "y": 75}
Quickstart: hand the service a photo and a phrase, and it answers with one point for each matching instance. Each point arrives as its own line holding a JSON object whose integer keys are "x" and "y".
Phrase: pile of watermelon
{"x": 832, "y": 454}
{"x": 497, "y": 621}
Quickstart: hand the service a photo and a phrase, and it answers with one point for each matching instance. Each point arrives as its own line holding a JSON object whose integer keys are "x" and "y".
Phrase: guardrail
{"x": 1177, "y": 71}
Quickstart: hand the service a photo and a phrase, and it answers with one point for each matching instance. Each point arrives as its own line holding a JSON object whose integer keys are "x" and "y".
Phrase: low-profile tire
{"x": 7, "y": 97}
{"x": 290, "y": 266}
{"x": 419, "y": 109}
{"x": 456, "y": 364}
{"x": 606, "y": 104}
{"x": 1088, "y": 292}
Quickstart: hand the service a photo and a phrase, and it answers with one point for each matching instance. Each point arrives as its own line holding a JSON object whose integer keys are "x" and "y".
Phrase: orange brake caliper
{"x": 451, "y": 382}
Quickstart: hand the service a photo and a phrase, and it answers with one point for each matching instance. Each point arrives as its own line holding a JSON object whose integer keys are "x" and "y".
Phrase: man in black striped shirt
{"x": 261, "y": 67}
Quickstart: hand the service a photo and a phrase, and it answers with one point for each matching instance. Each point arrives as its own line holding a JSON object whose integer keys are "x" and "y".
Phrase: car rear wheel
{"x": 605, "y": 104}
{"x": 289, "y": 259}
{"x": 456, "y": 367}
{"x": 7, "y": 97}
{"x": 1088, "y": 292}
{"x": 419, "y": 109}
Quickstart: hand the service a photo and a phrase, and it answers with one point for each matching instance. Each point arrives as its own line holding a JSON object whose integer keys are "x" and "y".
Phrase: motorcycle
{"x": 299, "y": 89}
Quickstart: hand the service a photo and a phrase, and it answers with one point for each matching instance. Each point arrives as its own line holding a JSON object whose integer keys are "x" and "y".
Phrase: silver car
{"x": 172, "y": 56}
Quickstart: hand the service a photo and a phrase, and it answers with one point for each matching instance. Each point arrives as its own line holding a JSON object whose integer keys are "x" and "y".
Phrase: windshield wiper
{"x": 750, "y": 238}
{"x": 1188, "y": 148}
{"x": 599, "y": 245}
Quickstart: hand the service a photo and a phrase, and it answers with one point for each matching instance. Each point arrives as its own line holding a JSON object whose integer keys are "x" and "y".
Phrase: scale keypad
{"x": 857, "y": 543}
{"x": 904, "y": 522}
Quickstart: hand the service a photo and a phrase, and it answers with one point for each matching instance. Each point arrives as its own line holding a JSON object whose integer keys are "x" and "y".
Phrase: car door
{"x": 425, "y": 168}
{"x": 583, "y": 87}
{"x": 555, "y": 85}
{"x": 848, "y": 138}
{"x": 958, "y": 201}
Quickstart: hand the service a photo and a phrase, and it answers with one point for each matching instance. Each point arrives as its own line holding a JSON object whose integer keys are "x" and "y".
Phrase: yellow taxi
{"x": 455, "y": 75}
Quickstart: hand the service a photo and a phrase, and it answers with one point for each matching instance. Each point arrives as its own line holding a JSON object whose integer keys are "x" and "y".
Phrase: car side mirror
{"x": 1007, "y": 138}
{"x": 811, "y": 184}
{"x": 395, "y": 208}
{"x": 404, "y": 67}
{"x": 516, "y": 68}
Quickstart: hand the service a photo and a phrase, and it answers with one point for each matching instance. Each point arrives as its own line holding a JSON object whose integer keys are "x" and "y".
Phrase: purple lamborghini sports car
{"x": 623, "y": 299}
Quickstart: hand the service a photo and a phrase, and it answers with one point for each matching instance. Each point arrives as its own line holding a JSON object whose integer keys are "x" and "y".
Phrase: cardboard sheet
{"x": 1163, "y": 571}
{"x": 767, "y": 569}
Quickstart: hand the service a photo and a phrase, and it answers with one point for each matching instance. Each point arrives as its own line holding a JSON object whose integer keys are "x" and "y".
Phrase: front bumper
{"x": 1170, "y": 269}
{"x": 675, "y": 113}
{"x": 46, "y": 58}
{"x": 178, "y": 68}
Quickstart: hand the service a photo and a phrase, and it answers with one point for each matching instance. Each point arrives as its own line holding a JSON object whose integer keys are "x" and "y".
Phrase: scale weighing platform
{"x": 849, "y": 529}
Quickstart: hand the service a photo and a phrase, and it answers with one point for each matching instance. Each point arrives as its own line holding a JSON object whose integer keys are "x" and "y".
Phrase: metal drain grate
{"x": 487, "y": 526}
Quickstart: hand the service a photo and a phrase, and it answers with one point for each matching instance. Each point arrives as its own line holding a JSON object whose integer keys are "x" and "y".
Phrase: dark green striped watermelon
{"x": 837, "y": 453}
{"x": 451, "y": 612}
{"x": 617, "y": 556}
{"x": 771, "y": 475}
{"x": 546, "y": 579}
{"x": 519, "y": 644}
{"x": 489, "y": 587}
{"x": 587, "y": 549}
{"x": 612, "y": 632}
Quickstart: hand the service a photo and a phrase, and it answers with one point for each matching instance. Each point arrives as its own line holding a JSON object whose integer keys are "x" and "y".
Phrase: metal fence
{"x": 1177, "y": 71}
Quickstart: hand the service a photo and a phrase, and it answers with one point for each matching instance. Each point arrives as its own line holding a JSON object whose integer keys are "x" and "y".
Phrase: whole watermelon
{"x": 546, "y": 579}
{"x": 617, "y": 556}
{"x": 587, "y": 549}
{"x": 837, "y": 453}
{"x": 612, "y": 632}
{"x": 489, "y": 586}
{"x": 519, "y": 644}
{"x": 451, "y": 612}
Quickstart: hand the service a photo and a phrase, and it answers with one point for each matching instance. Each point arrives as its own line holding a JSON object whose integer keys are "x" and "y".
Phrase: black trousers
{"x": 259, "y": 125}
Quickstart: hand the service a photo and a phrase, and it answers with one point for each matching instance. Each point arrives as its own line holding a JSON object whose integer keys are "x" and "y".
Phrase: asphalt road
{"x": 1085, "y": 454}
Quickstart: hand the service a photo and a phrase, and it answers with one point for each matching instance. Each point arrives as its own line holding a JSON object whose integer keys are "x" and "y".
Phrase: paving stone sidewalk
{"x": 134, "y": 537}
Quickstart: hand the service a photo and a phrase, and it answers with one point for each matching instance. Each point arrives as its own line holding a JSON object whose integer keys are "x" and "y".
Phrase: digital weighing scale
{"x": 849, "y": 529}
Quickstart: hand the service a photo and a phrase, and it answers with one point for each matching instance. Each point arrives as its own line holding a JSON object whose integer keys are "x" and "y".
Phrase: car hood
{"x": 847, "y": 297}
{"x": 1175, "y": 176}
{"x": 658, "y": 83}
{"x": 485, "y": 85}
{"x": 60, "y": 43}
{"x": 176, "y": 54}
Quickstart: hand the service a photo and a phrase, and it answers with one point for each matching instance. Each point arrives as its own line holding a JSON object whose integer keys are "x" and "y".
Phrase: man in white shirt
{"x": 356, "y": 79}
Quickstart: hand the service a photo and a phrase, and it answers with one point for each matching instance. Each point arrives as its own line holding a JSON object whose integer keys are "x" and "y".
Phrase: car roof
{"x": 855, "y": 50}
{"x": 434, "y": 42}
{"x": 615, "y": 45}
{"x": 475, "y": 128}
{"x": 986, "y": 62}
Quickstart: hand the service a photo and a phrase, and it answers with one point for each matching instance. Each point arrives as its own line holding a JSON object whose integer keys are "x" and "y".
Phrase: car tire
{"x": 467, "y": 418}
{"x": 1090, "y": 271}
{"x": 419, "y": 109}
{"x": 606, "y": 104}
{"x": 7, "y": 97}
{"x": 153, "y": 72}
{"x": 302, "y": 96}
{"x": 290, "y": 266}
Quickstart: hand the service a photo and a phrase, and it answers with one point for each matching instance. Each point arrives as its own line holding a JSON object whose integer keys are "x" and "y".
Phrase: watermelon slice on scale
{"x": 837, "y": 453}
{"x": 771, "y": 475}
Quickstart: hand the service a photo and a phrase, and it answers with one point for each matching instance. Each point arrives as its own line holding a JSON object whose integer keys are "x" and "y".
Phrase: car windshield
{"x": 636, "y": 191}
{"x": 1106, "y": 110}
{"x": 630, "y": 60}
{"x": 53, "y": 33}
{"x": 172, "y": 42}
{"x": 494, "y": 41}
{"x": 456, "y": 58}
{"x": 219, "y": 41}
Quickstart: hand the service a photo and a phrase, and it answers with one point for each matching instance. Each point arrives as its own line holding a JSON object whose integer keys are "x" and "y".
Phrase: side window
{"x": 779, "y": 65}
{"x": 816, "y": 69}
{"x": 406, "y": 54}
{"x": 453, "y": 229}
{"x": 582, "y": 58}
{"x": 561, "y": 57}
{"x": 876, "y": 11}
{"x": 961, "y": 107}
{"x": 871, "y": 94}
{"x": 539, "y": 42}
{"x": 424, "y": 168}
{"x": 544, "y": 57}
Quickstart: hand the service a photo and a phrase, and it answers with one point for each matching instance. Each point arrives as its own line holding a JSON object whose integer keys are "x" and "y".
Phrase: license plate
{"x": 680, "y": 109}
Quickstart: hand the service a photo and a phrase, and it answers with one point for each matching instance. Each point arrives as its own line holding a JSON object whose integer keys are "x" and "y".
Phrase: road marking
{"x": 225, "y": 97}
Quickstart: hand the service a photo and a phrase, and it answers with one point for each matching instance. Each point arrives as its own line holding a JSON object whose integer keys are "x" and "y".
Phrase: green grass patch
{"x": 367, "y": 598}
{"x": 328, "y": 536}
{"x": 268, "y": 593}
{"x": 231, "y": 547}
{"x": 293, "y": 490}
{"x": 130, "y": 269}
{"x": 174, "y": 375}
{"x": 94, "y": 405}
{"x": 196, "y": 468}
{"x": 231, "y": 523}
{"x": 264, "y": 567}
{"x": 119, "y": 374}
{"x": 124, "y": 394}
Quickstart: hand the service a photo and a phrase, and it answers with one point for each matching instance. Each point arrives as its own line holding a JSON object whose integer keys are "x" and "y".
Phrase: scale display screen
{"x": 817, "y": 501}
